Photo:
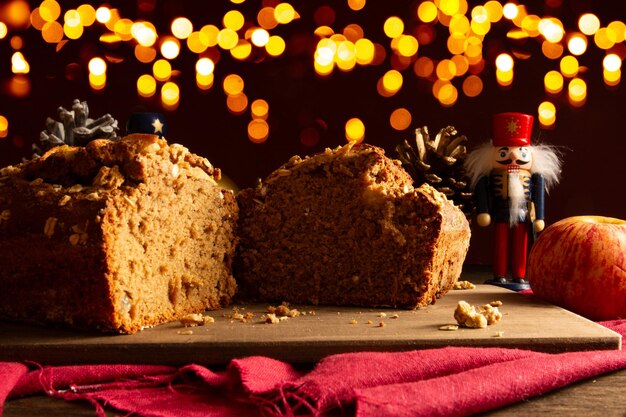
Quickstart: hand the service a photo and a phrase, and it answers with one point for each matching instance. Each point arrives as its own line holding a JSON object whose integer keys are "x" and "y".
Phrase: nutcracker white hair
{"x": 546, "y": 161}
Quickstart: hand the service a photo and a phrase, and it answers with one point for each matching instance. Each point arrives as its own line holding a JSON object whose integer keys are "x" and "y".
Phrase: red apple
{"x": 579, "y": 263}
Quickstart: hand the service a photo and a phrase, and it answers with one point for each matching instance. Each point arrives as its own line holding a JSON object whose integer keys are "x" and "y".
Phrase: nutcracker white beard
{"x": 517, "y": 198}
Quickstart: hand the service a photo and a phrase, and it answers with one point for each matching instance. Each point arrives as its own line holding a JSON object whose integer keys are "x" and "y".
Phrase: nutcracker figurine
{"x": 510, "y": 178}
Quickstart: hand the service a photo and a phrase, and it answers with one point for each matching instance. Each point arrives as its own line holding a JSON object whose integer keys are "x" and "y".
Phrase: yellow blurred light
{"x": 553, "y": 82}
{"x": 530, "y": 24}
{"x": 204, "y": 82}
{"x": 3, "y": 30}
{"x": 97, "y": 82}
{"x": 258, "y": 131}
{"x": 446, "y": 69}
{"x": 616, "y": 31}
{"x": 427, "y": 11}
{"x": 145, "y": 54}
{"x": 355, "y": 130}
{"x": 212, "y": 32}
{"x": 146, "y": 85}
{"x": 569, "y": 66}
{"x": 110, "y": 38}
{"x": 400, "y": 119}
{"x": 4, "y": 124}
{"x": 259, "y": 109}
{"x": 551, "y": 29}
{"x": 266, "y": 18}
{"x": 237, "y": 1}
{"x": 345, "y": 51}
{"x": 237, "y": 103}
{"x": 450, "y": 7}
{"x": 392, "y": 81}
{"x": 115, "y": 16}
{"x": 73, "y": 32}
{"x": 459, "y": 26}
{"x": 233, "y": 84}
{"x": 494, "y": 10}
{"x": 577, "y": 89}
{"x": 461, "y": 65}
{"x": 49, "y": 10}
{"x": 393, "y": 27}
{"x": 612, "y": 78}
{"x": 364, "y": 51}
{"x": 356, "y": 4}
{"x": 122, "y": 28}
{"x": 227, "y": 39}
{"x": 170, "y": 93}
{"x": 323, "y": 69}
{"x": 52, "y": 32}
{"x": 504, "y": 78}
{"x": 552, "y": 50}
{"x": 19, "y": 65}
{"x": 480, "y": 14}
{"x": 547, "y": 113}
{"x": 72, "y": 18}
{"x": 87, "y": 14}
{"x": 324, "y": 32}
{"x": 603, "y": 39}
{"x": 472, "y": 86}
{"x": 170, "y": 48}
{"x": 181, "y": 27}
{"x": 144, "y": 33}
{"x": 97, "y": 66}
{"x": 325, "y": 52}
{"x": 284, "y": 13}
{"x": 424, "y": 67}
{"x": 407, "y": 45}
{"x": 260, "y": 37}
{"x": 612, "y": 63}
{"x": 504, "y": 62}
{"x": 162, "y": 70}
{"x": 447, "y": 95}
{"x": 275, "y": 45}
{"x": 480, "y": 29}
{"x": 242, "y": 50}
{"x": 19, "y": 86}
{"x": 103, "y": 14}
{"x": 588, "y": 24}
{"x": 577, "y": 44}
{"x": 205, "y": 66}
{"x": 233, "y": 20}
{"x": 473, "y": 47}
{"x": 510, "y": 11}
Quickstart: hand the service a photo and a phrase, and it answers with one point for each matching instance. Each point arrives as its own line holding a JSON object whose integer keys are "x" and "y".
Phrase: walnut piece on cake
{"x": 347, "y": 227}
{"x": 115, "y": 235}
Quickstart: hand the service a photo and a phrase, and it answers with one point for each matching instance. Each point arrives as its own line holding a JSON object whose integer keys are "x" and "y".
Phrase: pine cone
{"x": 74, "y": 128}
{"x": 439, "y": 162}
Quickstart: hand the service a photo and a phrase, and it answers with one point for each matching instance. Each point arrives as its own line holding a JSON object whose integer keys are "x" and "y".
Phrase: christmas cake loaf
{"x": 114, "y": 235}
{"x": 347, "y": 227}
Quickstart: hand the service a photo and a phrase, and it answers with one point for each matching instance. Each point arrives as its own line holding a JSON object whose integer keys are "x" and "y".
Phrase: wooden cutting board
{"x": 527, "y": 323}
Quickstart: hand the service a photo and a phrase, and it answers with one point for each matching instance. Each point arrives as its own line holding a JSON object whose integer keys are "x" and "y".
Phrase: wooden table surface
{"x": 602, "y": 396}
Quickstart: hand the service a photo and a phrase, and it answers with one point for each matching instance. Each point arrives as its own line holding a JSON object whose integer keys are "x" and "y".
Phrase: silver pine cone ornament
{"x": 438, "y": 162}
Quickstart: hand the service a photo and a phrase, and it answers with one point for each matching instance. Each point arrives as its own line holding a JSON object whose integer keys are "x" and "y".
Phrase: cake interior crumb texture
{"x": 116, "y": 236}
{"x": 347, "y": 227}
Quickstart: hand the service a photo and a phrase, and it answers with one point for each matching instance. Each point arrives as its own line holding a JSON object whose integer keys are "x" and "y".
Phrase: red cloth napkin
{"x": 451, "y": 381}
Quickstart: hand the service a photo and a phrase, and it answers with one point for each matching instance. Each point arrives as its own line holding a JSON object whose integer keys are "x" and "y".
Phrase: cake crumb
{"x": 476, "y": 317}
{"x": 208, "y": 320}
{"x": 463, "y": 285}
{"x": 192, "y": 320}
{"x": 382, "y": 315}
{"x": 370, "y": 322}
{"x": 353, "y": 321}
{"x": 381, "y": 324}
{"x": 449, "y": 327}
{"x": 395, "y": 316}
{"x": 499, "y": 334}
{"x": 186, "y": 332}
{"x": 271, "y": 318}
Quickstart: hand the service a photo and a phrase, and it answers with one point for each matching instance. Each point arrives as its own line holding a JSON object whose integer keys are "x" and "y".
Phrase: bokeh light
{"x": 553, "y": 82}
{"x": 547, "y": 114}
{"x": 146, "y": 85}
{"x": 170, "y": 48}
{"x": 400, "y": 119}
{"x": 97, "y": 66}
{"x": 355, "y": 130}
{"x": 258, "y": 131}
{"x": 181, "y": 27}
{"x": 233, "y": 84}
{"x": 589, "y": 24}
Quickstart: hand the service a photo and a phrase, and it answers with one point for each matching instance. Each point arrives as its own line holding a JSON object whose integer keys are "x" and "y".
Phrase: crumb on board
{"x": 195, "y": 319}
{"x": 499, "y": 334}
{"x": 381, "y": 324}
{"x": 185, "y": 332}
{"x": 477, "y": 317}
{"x": 449, "y": 327}
{"x": 353, "y": 321}
{"x": 463, "y": 285}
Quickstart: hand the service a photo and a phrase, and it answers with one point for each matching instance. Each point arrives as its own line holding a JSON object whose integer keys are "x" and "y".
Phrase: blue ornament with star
{"x": 148, "y": 123}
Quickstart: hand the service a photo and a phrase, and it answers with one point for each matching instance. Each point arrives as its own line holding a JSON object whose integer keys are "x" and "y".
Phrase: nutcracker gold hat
{"x": 512, "y": 129}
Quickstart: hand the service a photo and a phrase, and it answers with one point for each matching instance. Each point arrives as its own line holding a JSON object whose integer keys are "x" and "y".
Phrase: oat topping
{"x": 192, "y": 320}
{"x": 109, "y": 178}
{"x": 37, "y": 181}
{"x": 76, "y": 188}
{"x": 48, "y": 228}
{"x": 64, "y": 200}
{"x": 5, "y": 215}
